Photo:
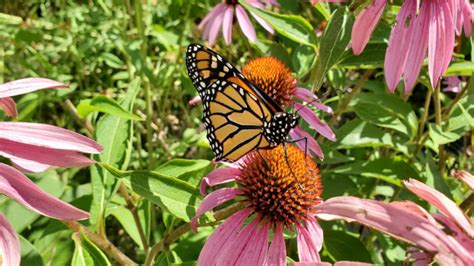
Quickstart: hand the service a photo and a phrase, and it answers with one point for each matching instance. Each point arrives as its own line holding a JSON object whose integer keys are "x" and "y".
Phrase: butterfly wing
{"x": 206, "y": 66}
{"x": 234, "y": 119}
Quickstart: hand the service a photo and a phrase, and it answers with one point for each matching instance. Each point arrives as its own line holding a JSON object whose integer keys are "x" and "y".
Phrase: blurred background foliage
{"x": 132, "y": 52}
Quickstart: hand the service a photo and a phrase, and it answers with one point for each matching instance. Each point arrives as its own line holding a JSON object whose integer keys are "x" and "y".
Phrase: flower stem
{"x": 181, "y": 230}
{"x": 102, "y": 242}
{"x": 439, "y": 120}
{"x": 133, "y": 209}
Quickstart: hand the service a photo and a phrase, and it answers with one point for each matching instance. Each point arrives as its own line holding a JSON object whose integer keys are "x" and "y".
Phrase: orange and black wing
{"x": 206, "y": 66}
{"x": 234, "y": 117}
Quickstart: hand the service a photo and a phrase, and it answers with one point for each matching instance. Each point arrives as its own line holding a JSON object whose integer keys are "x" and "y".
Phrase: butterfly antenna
{"x": 306, "y": 104}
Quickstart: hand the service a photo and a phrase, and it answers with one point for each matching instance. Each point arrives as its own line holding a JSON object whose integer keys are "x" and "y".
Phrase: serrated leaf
{"x": 106, "y": 105}
{"x": 172, "y": 194}
{"x": 334, "y": 42}
{"x": 293, "y": 27}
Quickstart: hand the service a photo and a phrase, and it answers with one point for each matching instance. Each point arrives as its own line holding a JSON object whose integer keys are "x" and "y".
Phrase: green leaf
{"x": 29, "y": 254}
{"x": 7, "y": 19}
{"x": 172, "y": 194}
{"x": 389, "y": 170}
{"x": 106, "y": 105}
{"x": 386, "y": 110}
{"x": 293, "y": 27}
{"x": 114, "y": 134}
{"x": 465, "y": 68}
{"x": 439, "y": 137}
{"x": 125, "y": 218}
{"x": 190, "y": 171}
{"x": 373, "y": 56}
{"x": 86, "y": 253}
{"x": 303, "y": 59}
{"x": 342, "y": 246}
{"x": 461, "y": 118}
{"x": 112, "y": 60}
{"x": 334, "y": 42}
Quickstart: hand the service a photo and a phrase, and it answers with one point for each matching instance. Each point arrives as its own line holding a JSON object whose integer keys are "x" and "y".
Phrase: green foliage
{"x": 129, "y": 90}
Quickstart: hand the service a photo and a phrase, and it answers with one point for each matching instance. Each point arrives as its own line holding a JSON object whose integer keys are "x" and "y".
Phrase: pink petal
{"x": 467, "y": 17}
{"x": 298, "y": 133}
{"x": 255, "y": 253}
{"x": 399, "y": 44}
{"x": 9, "y": 243}
{"x": 9, "y": 106}
{"x": 245, "y": 24}
{"x": 18, "y": 187}
{"x": 263, "y": 23}
{"x": 466, "y": 177}
{"x": 219, "y": 176}
{"x": 49, "y": 156}
{"x": 417, "y": 52}
{"x": 311, "y": 98}
{"x": 314, "y": 121}
{"x": 214, "y": 30}
{"x": 210, "y": 21}
{"x": 195, "y": 100}
{"x": 22, "y": 86}
{"x": 400, "y": 223}
{"x": 213, "y": 200}
{"x": 27, "y": 166}
{"x": 453, "y": 84}
{"x": 221, "y": 237}
{"x": 351, "y": 263}
{"x": 307, "y": 247}
{"x": 458, "y": 233}
{"x": 227, "y": 24}
{"x": 316, "y": 232}
{"x": 441, "y": 40}
{"x": 365, "y": 24}
{"x": 47, "y": 136}
{"x": 440, "y": 201}
{"x": 277, "y": 251}
{"x": 234, "y": 250}
{"x": 211, "y": 15}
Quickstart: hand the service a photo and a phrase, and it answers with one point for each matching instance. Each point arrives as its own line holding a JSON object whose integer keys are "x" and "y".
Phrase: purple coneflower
{"x": 33, "y": 147}
{"x": 429, "y": 28}
{"x": 271, "y": 187}
{"x": 222, "y": 16}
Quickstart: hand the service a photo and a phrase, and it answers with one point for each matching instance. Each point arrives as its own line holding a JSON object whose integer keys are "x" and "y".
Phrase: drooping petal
{"x": 215, "y": 27}
{"x": 219, "y": 176}
{"x": 213, "y": 200}
{"x": 221, "y": 237}
{"x": 245, "y": 24}
{"x": 195, "y": 100}
{"x": 9, "y": 106}
{"x": 211, "y": 15}
{"x": 459, "y": 234}
{"x": 466, "y": 177}
{"x": 453, "y": 84}
{"x": 18, "y": 187}
{"x": 9, "y": 243}
{"x": 312, "y": 146}
{"x": 22, "y": 86}
{"x": 255, "y": 253}
{"x": 440, "y": 201}
{"x": 47, "y": 136}
{"x": 314, "y": 121}
{"x": 27, "y": 166}
{"x": 307, "y": 247}
{"x": 399, "y": 44}
{"x": 234, "y": 250}
{"x": 365, "y": 24}
{"x": 227, "y": 24}
{"x": 316, "y": 232}
{"x": 49, "y": 156}
{"x": 440, "y": 40}
{"x": 311, "y": 98}
{"x": 398, "y": 222}
{"x": 417, "y": 52}
{"x": 263, "y": 23}
{"x": 277, "y": 251}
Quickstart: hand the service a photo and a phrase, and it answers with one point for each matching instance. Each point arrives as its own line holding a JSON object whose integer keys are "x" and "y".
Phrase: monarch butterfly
{"x": 239, "y": 117}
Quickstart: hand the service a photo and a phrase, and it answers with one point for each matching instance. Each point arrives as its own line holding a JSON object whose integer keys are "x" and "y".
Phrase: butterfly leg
{"x": 289, "y": 166}
{"x": 305, "y": 139}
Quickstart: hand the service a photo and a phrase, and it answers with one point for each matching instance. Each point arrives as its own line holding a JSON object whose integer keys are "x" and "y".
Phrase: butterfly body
{"x": 239, "y": 117}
